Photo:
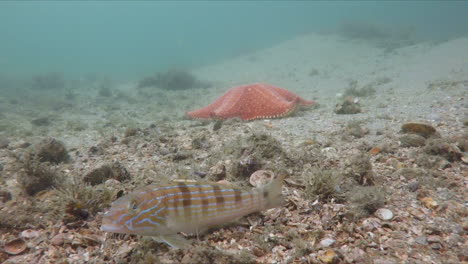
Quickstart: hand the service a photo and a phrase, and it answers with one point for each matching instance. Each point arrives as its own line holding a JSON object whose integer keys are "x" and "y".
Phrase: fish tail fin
{"x": 273, "y": 192}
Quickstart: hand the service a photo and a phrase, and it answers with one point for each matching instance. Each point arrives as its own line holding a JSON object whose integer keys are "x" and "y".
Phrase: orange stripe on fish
{"x": 164, "y": 210}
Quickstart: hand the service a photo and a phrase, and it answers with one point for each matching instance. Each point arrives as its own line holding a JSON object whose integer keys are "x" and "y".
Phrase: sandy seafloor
{"x": 426, "y": 82}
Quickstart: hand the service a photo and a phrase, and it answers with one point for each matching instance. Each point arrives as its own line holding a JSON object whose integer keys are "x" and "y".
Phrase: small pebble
{"x": 4, "y": 143}
{"x": 384, "y": 214}
{"x": 58, "y": 240}
{"x": 327, "y": 242}
{"x": 422, "y": 240}
{"x": 413, "y": 186}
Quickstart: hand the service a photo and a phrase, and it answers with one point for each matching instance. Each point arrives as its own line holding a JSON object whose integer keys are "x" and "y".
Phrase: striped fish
{"x": 161, "y": 211}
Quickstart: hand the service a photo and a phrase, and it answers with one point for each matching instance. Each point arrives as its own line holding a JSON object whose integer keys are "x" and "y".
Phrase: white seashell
{"x": 327, "y": 242}
{"x": 261, "y": 177}
{"x": 384, "y": 214}
{"x": 29, "y": 233}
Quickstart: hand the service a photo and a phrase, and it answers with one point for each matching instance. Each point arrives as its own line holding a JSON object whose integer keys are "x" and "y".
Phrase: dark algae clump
{"x": 36, "y": 176}
{"x": 51, "y": 150}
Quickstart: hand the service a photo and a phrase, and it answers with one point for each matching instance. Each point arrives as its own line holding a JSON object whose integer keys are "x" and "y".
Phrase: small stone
{"x": 413, "y": 186}
{"x": 349, "y": 106}
{"x": 58, "y": 240}
{"x": 412, "y": 140}
{"x": 384, "y": 214}
{"x": 107, "y": 171}
{"x": 422, "y": 240}
{"x": 433, "y": 239}
{"x": 23, "y": 144}
{"x": 4, "y": 142}
{"x": 327, "y": 242}
{"x": 384, "y": 261}
{"x": 436, "y": 246}
{"x": 5, "y": 196}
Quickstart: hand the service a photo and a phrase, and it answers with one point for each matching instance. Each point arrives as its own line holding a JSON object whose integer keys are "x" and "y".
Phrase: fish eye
{"x": 133, "y": 205}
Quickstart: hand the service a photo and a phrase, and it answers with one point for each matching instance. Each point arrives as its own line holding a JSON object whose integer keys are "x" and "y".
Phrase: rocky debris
{"x": 443, "y": 148}
{"x": 174, "y": 79}
{"x": 348, "y": 106}
{"x": 359, "y": 167}
{"x": 412, "y": 140}
{"x": 104, "y": 172}
{"x": 41, "y": 121}
{"x": 4, "y": 142}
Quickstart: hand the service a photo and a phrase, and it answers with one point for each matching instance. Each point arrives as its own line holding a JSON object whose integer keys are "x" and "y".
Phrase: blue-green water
{"x": 129, "y": 39}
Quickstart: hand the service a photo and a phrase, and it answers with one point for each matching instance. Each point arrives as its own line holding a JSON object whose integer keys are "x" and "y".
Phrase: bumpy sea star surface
{"x": 253, "y": 101}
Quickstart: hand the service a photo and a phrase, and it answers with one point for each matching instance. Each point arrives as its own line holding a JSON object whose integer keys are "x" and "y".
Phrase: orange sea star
{"x": 253, "y": 101}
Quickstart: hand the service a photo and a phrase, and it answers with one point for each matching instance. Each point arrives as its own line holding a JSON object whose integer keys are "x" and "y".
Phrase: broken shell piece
{"x": 224, "y": 182}
{"x": 464, "y": 159}
{"x": 429, "y": 203}
{"x": 261, "y": 177}
{"x": 15, "y": 247}
{"x": 421, "y": 129}
{"x": 328, "y": 256}
{"x": 30, "y": 233}
{"x": 384, "y": 214}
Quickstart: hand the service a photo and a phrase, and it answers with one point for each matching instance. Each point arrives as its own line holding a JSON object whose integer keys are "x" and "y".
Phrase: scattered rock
{"x": 360, "y": 168}
{"x": 365, "y": 91}
{"x": 422, "y": 129}
{"x": 51, "y": 150}
{"x": 49, "y": 81}
{"x": 58, "y": 240}
{"x": 5, "y": 196}
{"x": 217, "y": 172}
{"x": 22, "y": 144}
{"x": 41, "y": 121}
{"x": 365, "y": 200}
{"x": 443, "y": 148}
{"x": 173, "y": 80}
{"x": 4, "y": 142}
{"x": 384, "y": 214}
{"x": 130, "y": 132}
{"x": 412, "y": 140}
{"x": 108, "y": 171}
{"x": 355, "y": 129}
{"x": 349, "y": 106}
{"x": 413, "y": 186}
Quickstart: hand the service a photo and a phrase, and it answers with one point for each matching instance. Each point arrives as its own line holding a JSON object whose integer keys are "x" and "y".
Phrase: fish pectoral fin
{"x": 175, "y": 241}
